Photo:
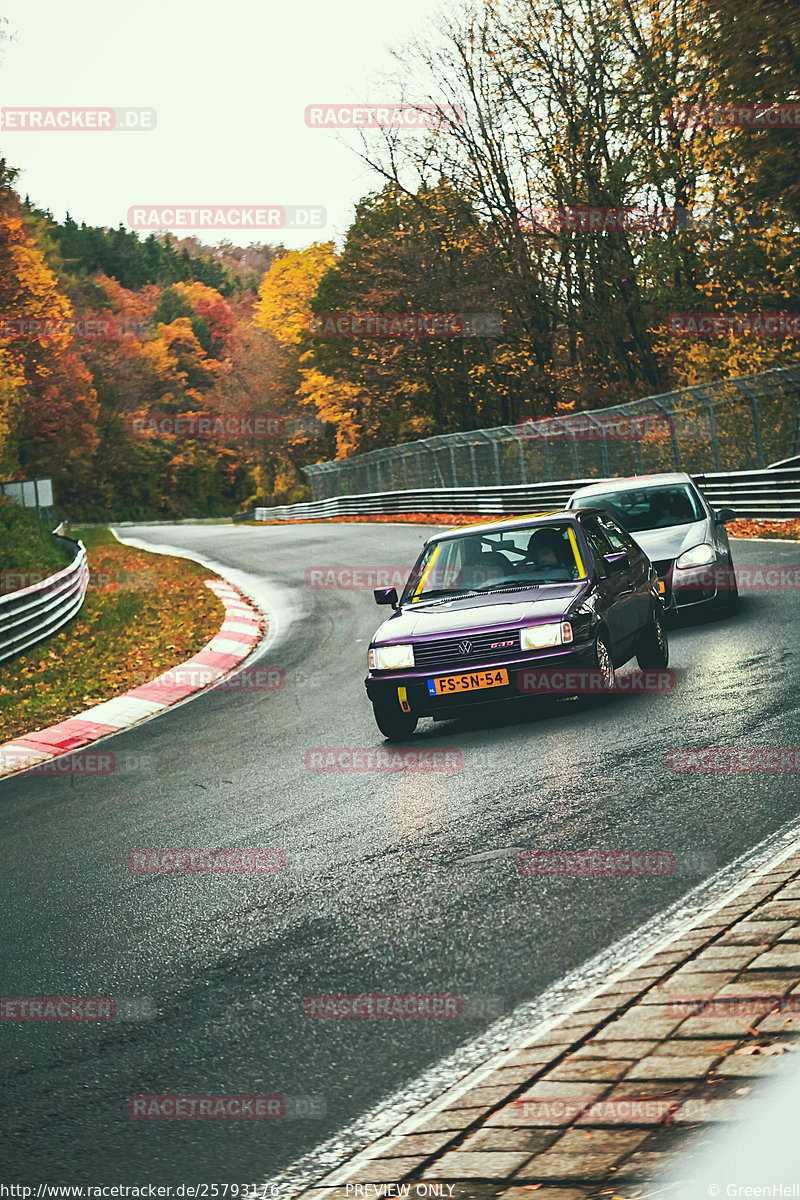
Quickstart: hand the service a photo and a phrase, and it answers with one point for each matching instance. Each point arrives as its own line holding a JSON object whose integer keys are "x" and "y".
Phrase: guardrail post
{"x": 702, "y": 395}
{"x": 523, "y": 474}
{"x": 756, "y": 428}
{"x": 548, "y": 461}
{"x": 575, "y": 458}
{"x": 453, "y": 470}
{"x": 712, "y": 433}
{"x": 497, "y": 469}
{"x": 663, "y": 405}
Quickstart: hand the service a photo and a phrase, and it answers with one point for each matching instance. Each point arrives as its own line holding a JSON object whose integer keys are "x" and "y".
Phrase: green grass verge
{"x": 25, "y": 543}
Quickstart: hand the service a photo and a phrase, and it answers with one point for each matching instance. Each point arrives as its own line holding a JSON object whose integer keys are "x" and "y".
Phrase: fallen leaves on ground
{"x": 750, "y": 528}
{"x": 773, "y": 1048}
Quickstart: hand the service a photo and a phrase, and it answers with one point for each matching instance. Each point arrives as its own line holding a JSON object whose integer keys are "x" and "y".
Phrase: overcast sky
{"x": 229, "y": 82}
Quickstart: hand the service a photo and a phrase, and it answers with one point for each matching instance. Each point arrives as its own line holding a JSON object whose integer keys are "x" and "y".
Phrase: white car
{"x": 684, "y": 538}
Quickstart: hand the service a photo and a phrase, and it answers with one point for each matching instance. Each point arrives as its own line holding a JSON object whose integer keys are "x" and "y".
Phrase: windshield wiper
{"x": 516, "y": 587}
{"x": 439, "y": 595}
{"x": 538, "y": 582}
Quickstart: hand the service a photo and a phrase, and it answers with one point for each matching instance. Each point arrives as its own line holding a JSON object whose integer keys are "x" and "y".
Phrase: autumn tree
{"x": 49, "y": 404}
{"x": 280, "y": 324}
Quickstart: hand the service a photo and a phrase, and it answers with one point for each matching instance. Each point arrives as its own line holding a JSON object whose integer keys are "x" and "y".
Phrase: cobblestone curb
{"x": 611, "y": 1091}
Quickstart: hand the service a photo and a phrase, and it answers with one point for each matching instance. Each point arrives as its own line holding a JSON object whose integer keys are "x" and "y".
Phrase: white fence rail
{"x": 31, "y": 614}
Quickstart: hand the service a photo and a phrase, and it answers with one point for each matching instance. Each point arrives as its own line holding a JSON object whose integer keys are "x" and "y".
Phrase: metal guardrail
{"x": 31, "y": 614}
{"x": 773, "y": 493}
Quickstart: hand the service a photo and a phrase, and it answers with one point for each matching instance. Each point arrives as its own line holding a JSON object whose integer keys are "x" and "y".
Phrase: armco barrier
{"x": 33, "y": 613}
{"x": 771, "y": 493}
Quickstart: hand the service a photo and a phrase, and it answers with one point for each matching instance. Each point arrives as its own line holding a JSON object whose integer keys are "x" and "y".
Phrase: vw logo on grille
{"x": 465, "y": 647}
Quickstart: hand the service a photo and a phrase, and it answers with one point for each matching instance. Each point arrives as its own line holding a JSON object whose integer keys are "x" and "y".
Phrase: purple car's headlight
{"x": 538, "y": 637}
{"x": 391, "y": 658}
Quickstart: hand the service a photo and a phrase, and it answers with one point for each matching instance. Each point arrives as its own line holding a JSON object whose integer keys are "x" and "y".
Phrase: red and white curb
{"x": 240, "y": 632}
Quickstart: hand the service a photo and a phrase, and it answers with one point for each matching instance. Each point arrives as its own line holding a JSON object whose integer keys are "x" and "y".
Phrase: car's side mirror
{"x": 386, "y": 596}
{"x": 724, "y": 515}
{"x": 615, "y": 562}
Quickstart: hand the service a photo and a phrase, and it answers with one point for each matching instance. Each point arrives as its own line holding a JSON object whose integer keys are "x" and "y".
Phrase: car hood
{"x": 672, "y": 540}
{"x": 548, "y": 603}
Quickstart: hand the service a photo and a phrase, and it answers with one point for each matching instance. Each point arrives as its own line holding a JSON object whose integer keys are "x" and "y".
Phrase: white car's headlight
{"x": 698, "y": 556}
{"x": 537, "y": 637}
{"x": 391, "y": 658}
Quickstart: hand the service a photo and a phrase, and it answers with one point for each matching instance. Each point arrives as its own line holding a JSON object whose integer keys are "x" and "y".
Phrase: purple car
{"x": 486, "y": 603}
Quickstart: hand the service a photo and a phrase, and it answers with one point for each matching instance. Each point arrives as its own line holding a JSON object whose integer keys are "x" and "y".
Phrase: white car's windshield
{"x": 639, "y": 509}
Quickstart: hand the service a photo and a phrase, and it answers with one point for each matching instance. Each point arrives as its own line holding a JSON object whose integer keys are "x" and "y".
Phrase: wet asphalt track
{"x": 391, "y": 897}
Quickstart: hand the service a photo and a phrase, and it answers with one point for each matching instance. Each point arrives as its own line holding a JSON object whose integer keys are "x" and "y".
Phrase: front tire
{"x": 604, "y": 663}
{"x": 652, "y": 652}
{"x": 730, "y": 603}
{"x": 394, "y": 724}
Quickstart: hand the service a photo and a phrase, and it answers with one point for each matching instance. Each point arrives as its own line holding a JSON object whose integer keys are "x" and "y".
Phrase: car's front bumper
{"x": 695, "y": 587}
{"x": 384, "y": 686}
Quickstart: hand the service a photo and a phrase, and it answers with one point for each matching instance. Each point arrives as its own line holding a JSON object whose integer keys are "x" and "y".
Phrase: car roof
{"x": 632, "y": 483}
{"x": 547, "y": 518}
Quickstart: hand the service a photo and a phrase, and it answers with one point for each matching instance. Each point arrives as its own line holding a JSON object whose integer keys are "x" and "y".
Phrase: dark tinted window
{"x": 617, "y": 536}
{"x": 637, "y": 509}
{"x": 597, "y": 544}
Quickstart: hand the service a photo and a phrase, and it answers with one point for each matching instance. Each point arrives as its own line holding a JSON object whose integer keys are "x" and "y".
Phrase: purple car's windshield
{"x": 639, "y": 509}
{"x": 495, "y": 561}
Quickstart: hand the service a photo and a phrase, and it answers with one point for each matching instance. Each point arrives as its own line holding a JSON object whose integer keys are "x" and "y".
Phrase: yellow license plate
{"x": 448, "y": 684}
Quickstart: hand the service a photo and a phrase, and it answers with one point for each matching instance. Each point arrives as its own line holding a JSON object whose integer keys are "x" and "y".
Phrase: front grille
{"x": 448, "y": 652}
